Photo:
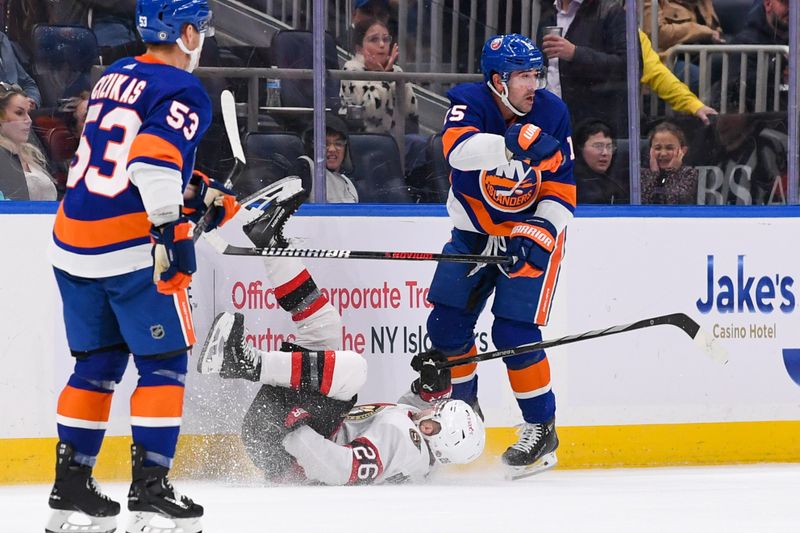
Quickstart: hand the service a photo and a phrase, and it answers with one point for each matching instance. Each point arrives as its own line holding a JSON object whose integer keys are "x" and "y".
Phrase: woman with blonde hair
{"x": 23, "y": 174}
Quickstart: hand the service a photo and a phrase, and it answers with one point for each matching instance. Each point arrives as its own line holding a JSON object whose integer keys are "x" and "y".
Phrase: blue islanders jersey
{"x": 141, "y": 112}
{"x": 492, "y": 201}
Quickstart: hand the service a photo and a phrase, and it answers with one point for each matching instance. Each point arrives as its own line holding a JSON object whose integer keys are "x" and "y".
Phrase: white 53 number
{"x": 179, "y": 115}
{"x": 456, "y": 113}
{"x": 115, "y": 153}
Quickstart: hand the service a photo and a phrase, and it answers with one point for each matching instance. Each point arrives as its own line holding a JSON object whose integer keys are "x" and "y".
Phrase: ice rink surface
{"x": 752, "y": 499}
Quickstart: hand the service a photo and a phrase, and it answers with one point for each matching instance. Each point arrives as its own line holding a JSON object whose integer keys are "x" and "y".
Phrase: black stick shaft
{"x": 680, "y": 320}
{"x": 358, "y": 254}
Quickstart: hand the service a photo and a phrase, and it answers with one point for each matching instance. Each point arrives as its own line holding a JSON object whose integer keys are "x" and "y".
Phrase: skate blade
{"x": 210, "y": 360}
{"x": 77, "y": 522}
{"x": 147, "y": 522}
{"x": 545, "y": 462}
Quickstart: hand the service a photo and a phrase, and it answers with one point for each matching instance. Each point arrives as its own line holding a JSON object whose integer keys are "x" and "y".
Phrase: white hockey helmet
{"x": 462, "y": 435}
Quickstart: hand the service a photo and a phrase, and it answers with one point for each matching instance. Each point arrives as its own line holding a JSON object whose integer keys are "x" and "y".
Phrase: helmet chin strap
{"x": 194, "y": 55}
{"x": 504, "y": 98}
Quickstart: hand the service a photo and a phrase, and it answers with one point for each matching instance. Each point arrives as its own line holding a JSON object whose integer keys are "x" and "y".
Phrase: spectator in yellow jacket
{"x": 667, "y": 86}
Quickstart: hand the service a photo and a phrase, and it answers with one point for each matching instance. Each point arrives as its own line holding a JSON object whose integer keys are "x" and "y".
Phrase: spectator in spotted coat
{"x": 374, "y": 51}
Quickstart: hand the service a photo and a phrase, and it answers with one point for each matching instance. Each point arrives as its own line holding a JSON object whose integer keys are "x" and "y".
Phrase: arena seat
{"x": 294, "y": 49}
{"x": 377, "y": 169}
{"x": 270, "y": 156}
{"x": 437, "y": 184}
{"x": 63, "y": 58}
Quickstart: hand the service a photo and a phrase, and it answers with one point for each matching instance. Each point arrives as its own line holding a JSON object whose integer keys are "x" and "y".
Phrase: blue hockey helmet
{"x": 505, "y": 54}
{"x": 161, "y": 21}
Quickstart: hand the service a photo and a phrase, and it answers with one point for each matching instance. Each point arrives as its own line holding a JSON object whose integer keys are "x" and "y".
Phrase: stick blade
{"x": 711, "y": 346}
{"x": 228, "y": 106}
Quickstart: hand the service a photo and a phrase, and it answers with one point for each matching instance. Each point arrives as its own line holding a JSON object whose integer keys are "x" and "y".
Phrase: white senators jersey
{"x": 377, "y": 443}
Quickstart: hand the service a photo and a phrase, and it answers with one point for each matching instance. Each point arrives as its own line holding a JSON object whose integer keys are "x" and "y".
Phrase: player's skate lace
{"x": 529, "y": 436}
{"x": 93, "y": 486}
{"x": 241, "y": 358}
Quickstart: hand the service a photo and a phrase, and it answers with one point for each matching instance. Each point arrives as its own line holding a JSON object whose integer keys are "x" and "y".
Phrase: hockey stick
{"x": 680, "y": 320}
{"x": 228, "y": 106}
{"x": 229, "y": 249}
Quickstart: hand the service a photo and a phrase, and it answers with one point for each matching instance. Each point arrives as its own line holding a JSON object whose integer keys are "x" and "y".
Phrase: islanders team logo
{"x": 511, "y": 188}
{"x": 496, "y": 43}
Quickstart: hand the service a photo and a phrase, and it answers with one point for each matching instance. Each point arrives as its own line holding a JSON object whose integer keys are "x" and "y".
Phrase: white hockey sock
{"x": 319, "y": 326}
{"x": 339, "y": 375}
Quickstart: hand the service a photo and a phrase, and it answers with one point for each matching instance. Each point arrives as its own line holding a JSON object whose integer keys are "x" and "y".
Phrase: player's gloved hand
{"x": 528, "y": 141}
{"x": 173, "y": 255}
{"x": 208, "y": 193}
{"x": 530, "y": 245}
{"x": 433, "y": 383}
{"x": 296, "y": 417}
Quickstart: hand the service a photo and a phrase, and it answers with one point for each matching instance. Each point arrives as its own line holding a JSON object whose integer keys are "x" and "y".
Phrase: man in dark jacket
{"x": 590, "y": 59}
{"x": 768, "y": 24}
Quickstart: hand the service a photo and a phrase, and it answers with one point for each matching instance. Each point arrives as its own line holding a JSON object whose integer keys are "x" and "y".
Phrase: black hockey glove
{"x": 433, "y": 383}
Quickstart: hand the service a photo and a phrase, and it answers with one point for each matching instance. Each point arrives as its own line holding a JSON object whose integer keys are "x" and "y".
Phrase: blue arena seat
{"x": 63, "y": 58}
{"x": 294, "y": 49}
{"x": 435, "y": 188}
{"x": 270, "y": 156}
{"x": 377, "y": 169}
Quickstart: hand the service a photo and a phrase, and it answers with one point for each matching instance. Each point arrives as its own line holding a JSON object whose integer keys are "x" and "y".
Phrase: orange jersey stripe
{"x": 104, "y": 232}
{"x": 530, "y": 378}
{"x": 567, "y": 192}
{"x": 549, "y": 285}
{"x": 485, "y": 221}
{"x": 451, "y": 135}
{"x": 159, "y": 401}
{"x": 463, "y": 371}
{"x": 151, "y": 146}
{"x": 84, "y": 404}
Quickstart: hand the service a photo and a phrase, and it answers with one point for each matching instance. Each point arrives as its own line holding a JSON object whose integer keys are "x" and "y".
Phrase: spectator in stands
{"x": 22, "y": 165}
{"x": 587, "y": 65}
{"x": 767, "y": 23}
{"x": 594, "y": 155}
{"x": 76, "y": 106}
{"x": 12, "y": 72}
{"x": 668, "y": 181}
{"x": 339, "y": 189}
{"x": 374, "y": 51}
{"x": 370, "y": 9}
{"x": 684, "y": 22}
{"x": 663, "y": 82}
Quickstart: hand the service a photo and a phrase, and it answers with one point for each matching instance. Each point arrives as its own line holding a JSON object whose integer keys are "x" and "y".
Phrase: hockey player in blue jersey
{"x": 512, "y": 189}
{"x": 123, "y": 258}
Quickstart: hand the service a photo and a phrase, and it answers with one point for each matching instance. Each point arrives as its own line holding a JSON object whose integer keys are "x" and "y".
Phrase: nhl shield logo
{"x": 157, "y": 331}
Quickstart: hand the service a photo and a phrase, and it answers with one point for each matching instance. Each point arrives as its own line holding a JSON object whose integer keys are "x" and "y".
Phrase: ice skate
{"x": 534, "y": 452}
{"x": 156, "y": 507}
{"x": 77, "y": 503}
{"x": 266, "y": 231}
{"x": 227, "y": 353}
